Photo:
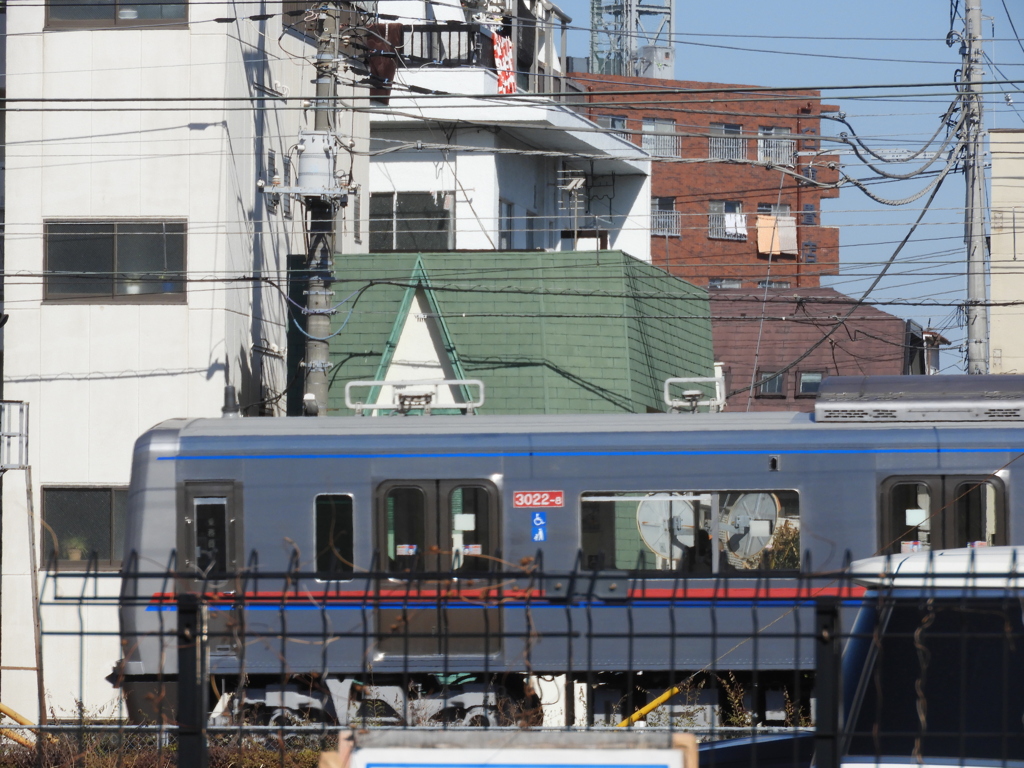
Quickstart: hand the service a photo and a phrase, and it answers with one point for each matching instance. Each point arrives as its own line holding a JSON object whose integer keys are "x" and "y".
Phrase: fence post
{"x": 192, "y": 687}
{"x": 828, "y": 682}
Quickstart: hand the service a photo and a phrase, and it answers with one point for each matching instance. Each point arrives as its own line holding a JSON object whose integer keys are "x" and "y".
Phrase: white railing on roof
{"x": 419, "y": 395}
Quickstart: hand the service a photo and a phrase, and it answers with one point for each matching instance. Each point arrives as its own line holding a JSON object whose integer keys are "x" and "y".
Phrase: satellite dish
{"x": 666, "y": 524}
{"x": 747, "y": 524}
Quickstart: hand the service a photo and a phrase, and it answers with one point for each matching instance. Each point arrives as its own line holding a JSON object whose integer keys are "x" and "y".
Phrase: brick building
{"x": 871, "y": 342}
{"x": 720, "y": 223}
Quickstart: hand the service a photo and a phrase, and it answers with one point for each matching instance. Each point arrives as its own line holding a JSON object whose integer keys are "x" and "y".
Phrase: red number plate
{"x": 537, "y": 499}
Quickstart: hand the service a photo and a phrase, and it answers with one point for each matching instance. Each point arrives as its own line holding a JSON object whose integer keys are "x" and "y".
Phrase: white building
{"x": 483, "y": 171}
{"x": 144, "y": 270}
{"x": 1006, "y": 327}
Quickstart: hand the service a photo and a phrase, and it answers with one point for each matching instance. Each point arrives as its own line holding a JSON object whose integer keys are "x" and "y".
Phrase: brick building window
{"x": 615, "y": 124}
{"x": 770, "y": 385}
{"x": 773, "y": 209}
{"x": 808, "y": 383}
{"x": 113, "y": 13}
{"x": 724, "y": 283}
{"x": 773, "y": 283}
{"x": 660, "y": 137}
{"x": 726, "y": 220}
{"x": 776, "y": 145}
{"x": 665, "y": 219}
{"x": 122, "y": 261}
{"x": 726, "y": 142}
{"x": 84, "y": 524}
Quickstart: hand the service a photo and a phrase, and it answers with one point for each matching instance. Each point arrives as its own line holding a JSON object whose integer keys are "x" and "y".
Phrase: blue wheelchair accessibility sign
{"x": 540, "y": 523}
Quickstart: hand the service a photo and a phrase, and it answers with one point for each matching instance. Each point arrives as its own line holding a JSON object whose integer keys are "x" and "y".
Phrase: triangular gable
{"x": 419, "y": 346}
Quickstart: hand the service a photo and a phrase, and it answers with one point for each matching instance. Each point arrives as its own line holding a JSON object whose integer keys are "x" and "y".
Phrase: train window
{"x": 470, "y": 510}
{"x": 676, "y": 530}
{"x": 333, "y": 535}
{"x": 211, "y": 545}
{"x": 406, "y": 513}
{"x": 910, "y": 517}
{"x": 210, "y": 528}
{"x": 976, "y": 515}
{"x": 938, "y": 512}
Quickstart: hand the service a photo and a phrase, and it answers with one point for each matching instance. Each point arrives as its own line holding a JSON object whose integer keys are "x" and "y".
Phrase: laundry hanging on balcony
{"x": 776, "y": 235}
{"x": 504, "y": 64}
{"x": 735, "y": 225}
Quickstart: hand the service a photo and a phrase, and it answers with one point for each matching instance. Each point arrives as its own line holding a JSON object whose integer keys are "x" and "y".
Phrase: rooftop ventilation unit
{"x": 920, "y": 398}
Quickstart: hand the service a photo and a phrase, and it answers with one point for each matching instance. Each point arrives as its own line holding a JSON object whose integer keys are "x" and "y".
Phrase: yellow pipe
{"x": 650, "y": 707}
{"x": 19, "y": 719}
{"x": 17, "y": 737}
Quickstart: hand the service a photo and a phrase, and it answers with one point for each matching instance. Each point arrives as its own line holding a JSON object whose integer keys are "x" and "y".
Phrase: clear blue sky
{"x": 814, "y": 44}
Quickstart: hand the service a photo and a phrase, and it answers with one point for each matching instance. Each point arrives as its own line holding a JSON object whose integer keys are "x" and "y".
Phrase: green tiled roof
{"x": 547, "y": 332}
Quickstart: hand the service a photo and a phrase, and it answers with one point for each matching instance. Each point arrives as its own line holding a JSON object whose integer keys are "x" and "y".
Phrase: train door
{"x": 210, "y": 551}
{"x": 942, "y": 512}
{"x": 444, "y": 528}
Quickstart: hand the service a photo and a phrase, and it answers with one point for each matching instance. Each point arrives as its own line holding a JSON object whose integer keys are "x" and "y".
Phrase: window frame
{"x": 334, "y": 575}
{"x": 800, "y": 381}
{"x": 717, "y": 229}
{"x": 188, "y": 492}
{"x": 50, "y": 535}
{"x": 718, "y": 562}
{"x": 726, "y": 142}
{"x": 781, "y": 379}
{"x": 373, "y": 231}
{"x": 115, "y": 22}
{"x": 942, "y": 490}
{"x": 167, "y": 297}
{"x": 659, "y": 137}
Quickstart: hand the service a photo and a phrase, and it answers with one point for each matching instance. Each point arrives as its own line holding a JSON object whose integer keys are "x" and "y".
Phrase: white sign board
{"x": 393, "y": 757}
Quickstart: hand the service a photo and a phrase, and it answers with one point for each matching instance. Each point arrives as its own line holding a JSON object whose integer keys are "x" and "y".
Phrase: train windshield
{"x": 691, "y": 531}
{"x": 943, "y": 678}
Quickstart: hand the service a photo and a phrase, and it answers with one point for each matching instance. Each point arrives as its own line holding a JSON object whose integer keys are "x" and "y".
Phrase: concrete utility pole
{"x": 974, "y": 174}
{"x": 321, "y": 210}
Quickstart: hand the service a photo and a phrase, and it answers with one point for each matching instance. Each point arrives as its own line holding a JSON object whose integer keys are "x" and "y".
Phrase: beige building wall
{"x": 1007, "y": 251}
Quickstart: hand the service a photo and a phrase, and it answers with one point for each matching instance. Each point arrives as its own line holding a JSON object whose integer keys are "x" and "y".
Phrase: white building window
{"x": 113, "y": 13}
{"x": 660, "y": 138}
{"x": 725, "y": 283}
{"x": 416, "y": 222}
{"x": 726, "y": 142}
{"x": 122, "y": 261}
{"x": 83, "y": 525}
{"x": 726, "y": 220}
{"x": 776, "y": 145}
{"x": 507, "y": 224}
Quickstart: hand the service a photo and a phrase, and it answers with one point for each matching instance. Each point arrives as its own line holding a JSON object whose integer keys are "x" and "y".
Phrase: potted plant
{"x": 75, "y": 548}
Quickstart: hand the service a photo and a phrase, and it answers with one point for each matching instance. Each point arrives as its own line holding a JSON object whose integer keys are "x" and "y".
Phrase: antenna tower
{"x": 632, "y": 38}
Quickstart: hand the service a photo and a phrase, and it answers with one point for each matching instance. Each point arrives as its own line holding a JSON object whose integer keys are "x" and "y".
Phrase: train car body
{"x": 734, "y": 505}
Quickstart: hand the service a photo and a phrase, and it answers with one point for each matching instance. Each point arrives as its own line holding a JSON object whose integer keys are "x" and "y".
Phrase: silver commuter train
{"x": 653, "y": 513}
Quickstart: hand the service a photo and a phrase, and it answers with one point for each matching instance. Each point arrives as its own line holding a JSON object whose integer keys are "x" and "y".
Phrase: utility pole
{"x": 319, "y": 146}
{"x": 974, "y": 174}
{"x": 323, "y": 192}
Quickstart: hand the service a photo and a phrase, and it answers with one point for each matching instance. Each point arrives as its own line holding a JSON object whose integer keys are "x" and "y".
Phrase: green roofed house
{"x": 547, "y": 332}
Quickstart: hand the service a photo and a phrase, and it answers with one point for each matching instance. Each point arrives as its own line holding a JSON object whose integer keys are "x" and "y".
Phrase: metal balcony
{"x": 668, "y": 223}
{"x": 776, "y": 151}
{"x": 727, "y": 148}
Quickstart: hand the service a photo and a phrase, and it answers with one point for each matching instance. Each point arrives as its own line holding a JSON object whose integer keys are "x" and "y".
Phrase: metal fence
{"x": 271, "y": 667}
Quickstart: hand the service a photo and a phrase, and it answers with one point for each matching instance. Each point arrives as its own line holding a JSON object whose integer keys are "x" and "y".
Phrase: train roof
{"x": 971, "y": 568}
{"x": 533, "y": 424}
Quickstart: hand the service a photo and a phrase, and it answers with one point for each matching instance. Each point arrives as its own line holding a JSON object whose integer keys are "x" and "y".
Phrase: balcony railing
{"x": 776, "y": 151}
{"x": 727, "y": 148}
{"x": 449, "y": 45}
{"x": 727, "y": 226}
{"x": 662, "y": 144}
{"x": 668, "y": 223}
